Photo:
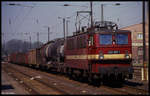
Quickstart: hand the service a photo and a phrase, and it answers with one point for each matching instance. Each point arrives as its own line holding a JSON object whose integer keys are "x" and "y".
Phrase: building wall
{"x": 137, "y": 42}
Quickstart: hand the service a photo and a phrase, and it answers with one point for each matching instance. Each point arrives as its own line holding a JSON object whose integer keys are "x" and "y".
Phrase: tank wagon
{"x": 53, "y": 51}
{"x": 52, "y": 54}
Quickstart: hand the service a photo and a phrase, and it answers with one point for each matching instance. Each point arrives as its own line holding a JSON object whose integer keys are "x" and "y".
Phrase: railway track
{"x": 132, "y": 90}
{"x": 57, "y": 83}
{"x": 67, "y": 86}
{"x": 129, "y": 90}
{"x": 31, "y": 85}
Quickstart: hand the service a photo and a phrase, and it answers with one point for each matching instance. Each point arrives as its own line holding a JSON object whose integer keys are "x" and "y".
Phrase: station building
{"x": 137, "y": 42}
{"x": 137, "y": 46}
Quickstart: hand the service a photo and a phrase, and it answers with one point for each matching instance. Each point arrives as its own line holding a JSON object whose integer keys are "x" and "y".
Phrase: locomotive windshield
{"x": 121, "y": 38}
{"x": 105, "y": 39}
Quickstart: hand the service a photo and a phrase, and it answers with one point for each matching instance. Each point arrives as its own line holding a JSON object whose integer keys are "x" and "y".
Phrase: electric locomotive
{"x": 102, "y": 52}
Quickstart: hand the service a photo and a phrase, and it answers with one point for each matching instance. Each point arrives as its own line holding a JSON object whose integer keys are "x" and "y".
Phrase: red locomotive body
{"x": 101, "y": 53}
{"x": 76, "y": 52}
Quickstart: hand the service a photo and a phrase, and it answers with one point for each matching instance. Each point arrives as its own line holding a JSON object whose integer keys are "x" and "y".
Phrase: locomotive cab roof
{"x": 99, "y": 27}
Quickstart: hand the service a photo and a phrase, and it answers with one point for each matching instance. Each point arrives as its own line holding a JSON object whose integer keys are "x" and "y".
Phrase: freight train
{"x": 99, "y": 53}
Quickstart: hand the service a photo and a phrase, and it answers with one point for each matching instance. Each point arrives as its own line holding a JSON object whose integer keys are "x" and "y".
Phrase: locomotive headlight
{"x": 101, "y": 56}
{"x": 127, "y": 56}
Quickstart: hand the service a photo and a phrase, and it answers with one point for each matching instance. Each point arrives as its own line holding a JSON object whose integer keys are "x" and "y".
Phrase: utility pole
{"x": 48, "y": 33}
{"x": 102, "y": 9}
{"x": 91, "y": 14}
{"x": 37, "y": 39}
{"x": 144, "y": 51}
{"x": 102, "y": 16}
{"x": 30, "y": 41}
{"x": 67, "y": 28}
{"x": 4, "y": 47}
{"x": 64, "y": 28}
{"x": 64, "y": 21}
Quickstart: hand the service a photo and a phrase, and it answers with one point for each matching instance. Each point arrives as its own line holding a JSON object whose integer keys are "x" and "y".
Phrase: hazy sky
{"x": 33, "y": 17}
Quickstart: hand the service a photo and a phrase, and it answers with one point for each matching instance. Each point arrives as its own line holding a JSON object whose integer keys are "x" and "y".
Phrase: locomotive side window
{"x": 70, "y": 44}
{"x": 121, "y": 38}
{"x": 105, "y": 39}
{"x": 78, "y": 42}
{"x": 84, "y": 42}
{"x": 81, "y": 42}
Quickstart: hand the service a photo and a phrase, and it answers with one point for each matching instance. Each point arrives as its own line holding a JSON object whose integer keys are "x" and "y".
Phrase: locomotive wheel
{"x": 94, "y": 81}
{"x": 120, "y": 81}
{"x": 81, "y": 78}
{"x": 69, "y": 73}
{"x": 90, "y": 79}
{"x": 74, "y": 76}
{"x": 85, "y": 79}
{"x": 105, "y": 80}
{"x": 37, "y": 66}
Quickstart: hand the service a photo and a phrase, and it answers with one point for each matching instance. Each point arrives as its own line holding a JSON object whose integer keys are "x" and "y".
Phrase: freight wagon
{"x": 13, "y": 58}
{"x": 34, "y": 58}
{"x": 20, "y": 59}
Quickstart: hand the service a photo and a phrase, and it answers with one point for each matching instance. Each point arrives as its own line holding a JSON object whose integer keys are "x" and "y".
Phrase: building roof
{"x": 131, "y": 25}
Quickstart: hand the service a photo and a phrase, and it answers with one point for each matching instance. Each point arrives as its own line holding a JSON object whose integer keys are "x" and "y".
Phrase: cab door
{"x": 90, "y": 42}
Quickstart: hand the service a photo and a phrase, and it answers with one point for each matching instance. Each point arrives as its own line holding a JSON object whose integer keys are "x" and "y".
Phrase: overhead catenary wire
{"x": 137, "y": 21}
{"x": 122, "y": 10}
{"x": 41, "y": 5}
{"x": 17, "y": 16}
{"x": 10, "y": 24}
{"x": 55, "y": 26}
{"x": 131, "y": 20}
{"x": 14, "y": 29}
{"x": 34, "y": 5}
{"x": 24, "y": 19}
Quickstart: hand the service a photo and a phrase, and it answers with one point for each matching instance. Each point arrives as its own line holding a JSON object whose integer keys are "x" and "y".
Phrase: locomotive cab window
{"x": 105, "y": 39}
{"x": 121, "y": 38}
